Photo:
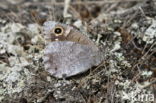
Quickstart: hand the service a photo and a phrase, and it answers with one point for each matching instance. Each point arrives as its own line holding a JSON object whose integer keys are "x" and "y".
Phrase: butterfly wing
{"x": 69, "y": 34}
{"x": 66, "y": 58}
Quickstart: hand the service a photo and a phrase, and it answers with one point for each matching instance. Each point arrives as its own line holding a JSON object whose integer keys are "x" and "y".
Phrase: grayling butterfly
{"x": 68, "y": 52}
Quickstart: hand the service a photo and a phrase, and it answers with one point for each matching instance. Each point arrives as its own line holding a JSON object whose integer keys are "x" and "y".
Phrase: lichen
{"x": 15, "y": 75}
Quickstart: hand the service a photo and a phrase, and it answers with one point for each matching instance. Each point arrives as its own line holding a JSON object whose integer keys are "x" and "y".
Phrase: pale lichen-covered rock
{"x": 145, "y": 32}
{"x": 15, "y": 75}
{"x": 150, "y": 33}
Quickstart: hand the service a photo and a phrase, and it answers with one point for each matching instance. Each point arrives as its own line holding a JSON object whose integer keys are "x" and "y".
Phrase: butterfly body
{"x": 68, "y": 52}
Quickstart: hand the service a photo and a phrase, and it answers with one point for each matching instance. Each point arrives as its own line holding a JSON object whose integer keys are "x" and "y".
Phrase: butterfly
{"x": 68, "y": 52}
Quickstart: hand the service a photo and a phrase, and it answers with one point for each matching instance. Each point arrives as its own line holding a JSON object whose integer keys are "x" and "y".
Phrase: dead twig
{"x": 149, "y": 84}
{"x": 141, "y": 60}
{"x": 66, "y": 7}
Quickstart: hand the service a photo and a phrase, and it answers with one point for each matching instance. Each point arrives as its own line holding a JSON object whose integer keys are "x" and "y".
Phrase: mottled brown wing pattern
{"x": 68, "y": 34}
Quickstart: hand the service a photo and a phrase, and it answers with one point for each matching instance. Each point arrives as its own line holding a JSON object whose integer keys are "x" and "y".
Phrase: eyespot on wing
{"x": 69, "y": 33}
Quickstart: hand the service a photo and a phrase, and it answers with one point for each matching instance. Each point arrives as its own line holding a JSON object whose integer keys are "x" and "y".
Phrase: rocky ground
{"x": 126, "y": 29}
